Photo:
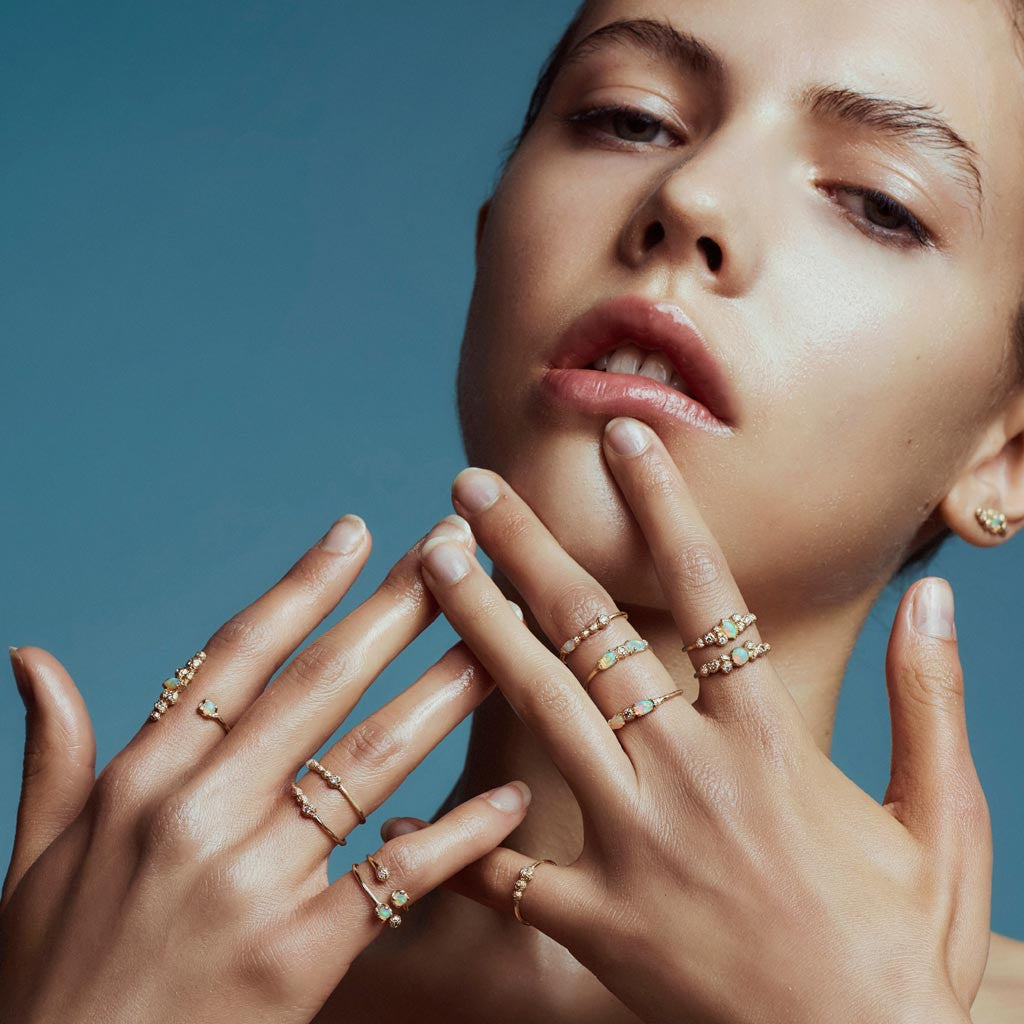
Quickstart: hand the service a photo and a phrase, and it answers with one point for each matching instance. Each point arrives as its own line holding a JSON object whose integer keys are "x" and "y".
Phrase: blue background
{"x": 237, "y": 252}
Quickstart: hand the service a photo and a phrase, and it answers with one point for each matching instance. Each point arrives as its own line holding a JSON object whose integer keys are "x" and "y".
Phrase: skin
{"x": 805, "y": 312}
{"x": 805, "y": 328}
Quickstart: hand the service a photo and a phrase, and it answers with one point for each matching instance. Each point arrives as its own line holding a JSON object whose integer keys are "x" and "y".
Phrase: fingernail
{"x": 452, "y": 528}
{"x": 517, "y": 610}
{"x": 513, "y": 797}
{"x": 18, "y": 671}
{"x": 394, "y": 827}
{"x": 344, "y": 536}
{"x": 626, "y": 436}
{"x": 444, "y": 559}
{"x": 933, "y": 609}
{"x": 474, "y": 489}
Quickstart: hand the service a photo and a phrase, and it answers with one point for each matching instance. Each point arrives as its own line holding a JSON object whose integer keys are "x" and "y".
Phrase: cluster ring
{"x": 175, "y": 684}
{"x": 525, "y": 875}
{"x": 601, "y": 622}
{"x": 736, "y": 658}
{"x": 616, "y": 654}
{"x": 639, "y": 709}
{"x": 309, "y": 811}
{"x": 722, "y": 632}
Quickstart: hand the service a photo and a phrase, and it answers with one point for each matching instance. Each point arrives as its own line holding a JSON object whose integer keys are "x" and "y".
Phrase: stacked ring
{"x": 309, "y": 811}
{"x": 639, "y": 709}
{"x": 175, "y": 684}
{"x": 334, "y": 782}
{"x": 383, "y": 912}
{"x": 719, "y": 635}
{"x": 616, "y": 654}
{"x": 736, "y": 658}
{"x": 601, "y": 622}
{"x": 525, "y": 874}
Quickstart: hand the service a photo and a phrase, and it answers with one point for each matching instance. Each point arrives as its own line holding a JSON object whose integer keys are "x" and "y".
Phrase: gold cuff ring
{"x": 207, "y": 709}
{"x": 309, "y": 811}
{"x": 334, "y": 782}
{"x": 382, "y": 910}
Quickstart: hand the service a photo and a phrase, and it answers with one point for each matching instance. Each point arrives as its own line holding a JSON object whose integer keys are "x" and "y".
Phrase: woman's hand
{"x": 730, "y": 871}
{"x": 185, "y": 884}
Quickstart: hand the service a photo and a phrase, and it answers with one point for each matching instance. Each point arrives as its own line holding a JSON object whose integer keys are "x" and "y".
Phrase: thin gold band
{"x": 525, "y": 874}
{"x": 208, "y": 709}
{"x": 615, "y": 655}
{"x": 309, "y": 811}
{"x": 639, "y": 709}
{"x": 334, "y": 782}
{"x": 601, "y": 622}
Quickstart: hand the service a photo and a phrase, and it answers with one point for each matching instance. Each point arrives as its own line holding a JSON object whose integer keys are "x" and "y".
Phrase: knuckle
{"x": 404, "y": 858}
{"x": 547, "y": 695}
{"x": 274, "y": 968}
{"x": 315, "y": 571}
{"x": 244, "y": 634}
{"x": 697, "y": 568}
{"x": 371, "y": 744}
{"x": 176, "y": 829}
{"x": 403, "y": 583}
{"x": 119, "y": 790}
{"x": 323, "y": 663}
{"x": 576, "y": 605}
{"x": 935, "y": 681}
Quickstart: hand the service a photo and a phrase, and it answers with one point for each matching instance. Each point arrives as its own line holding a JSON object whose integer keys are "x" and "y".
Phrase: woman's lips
{"x": 626, "y": 394}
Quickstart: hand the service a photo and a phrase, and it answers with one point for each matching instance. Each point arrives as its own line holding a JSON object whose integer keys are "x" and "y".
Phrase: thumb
{"x": 933, "y": 787}
{"x": 60, "y": 757}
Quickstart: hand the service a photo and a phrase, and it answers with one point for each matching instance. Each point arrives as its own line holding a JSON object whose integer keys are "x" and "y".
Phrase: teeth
{"x": 630, "y": 358}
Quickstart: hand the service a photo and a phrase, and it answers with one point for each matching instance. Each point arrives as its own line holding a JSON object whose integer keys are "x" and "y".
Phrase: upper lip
{"x": 659, "y": 327}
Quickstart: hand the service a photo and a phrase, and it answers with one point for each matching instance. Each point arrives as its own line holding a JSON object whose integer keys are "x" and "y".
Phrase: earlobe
{"x": 481, "y": 221}
{"x": 985, "y": 505}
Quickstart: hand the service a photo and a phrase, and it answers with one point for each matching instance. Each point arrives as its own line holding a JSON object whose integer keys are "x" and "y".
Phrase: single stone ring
{"x": 207, "y": 709}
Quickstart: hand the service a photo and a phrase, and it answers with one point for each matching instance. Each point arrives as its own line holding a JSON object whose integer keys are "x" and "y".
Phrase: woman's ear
{"x": 992, "y": 479}
{"x": 481, "y": 220}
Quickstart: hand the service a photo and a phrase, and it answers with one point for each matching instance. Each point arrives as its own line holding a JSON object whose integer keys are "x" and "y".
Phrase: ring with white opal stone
{"x": 399, "y": 898}
{"x": 639, "y": 709}
{"x": 615, "y": 655}
{"x": 728, "y": 629}
{"x": 601, "y": 622}
{"x": 207, "y": 709}
{"x": 736, "y": 658}
{"x": 175, "y": 684}
{"x": 382, "y": 910}
{"x": 334, "y": 782}
{"x": 525, "y": 874}
{"x": 309, "y": 811}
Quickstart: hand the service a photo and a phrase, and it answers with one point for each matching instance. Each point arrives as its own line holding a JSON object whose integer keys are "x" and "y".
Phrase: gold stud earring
{"x": 991, "y": 520}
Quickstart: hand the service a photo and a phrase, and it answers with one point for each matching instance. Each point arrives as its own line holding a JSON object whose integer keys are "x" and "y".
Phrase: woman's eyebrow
{"x": 916, "y": 124}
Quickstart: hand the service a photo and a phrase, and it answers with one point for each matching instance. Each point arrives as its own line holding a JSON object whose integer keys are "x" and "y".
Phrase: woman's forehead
{"x": 957, "y": 58}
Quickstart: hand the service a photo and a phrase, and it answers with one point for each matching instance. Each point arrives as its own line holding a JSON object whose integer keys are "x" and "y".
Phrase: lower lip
{"x": 621, "y": 394}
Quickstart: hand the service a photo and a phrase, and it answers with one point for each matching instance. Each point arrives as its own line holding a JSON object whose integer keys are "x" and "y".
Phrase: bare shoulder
{"x": 1000, "y": 999}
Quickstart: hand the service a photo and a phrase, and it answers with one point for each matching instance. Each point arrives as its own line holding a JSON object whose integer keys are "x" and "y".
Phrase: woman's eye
{"x": 886, "y": 217}
{"x": 627, "y": 124}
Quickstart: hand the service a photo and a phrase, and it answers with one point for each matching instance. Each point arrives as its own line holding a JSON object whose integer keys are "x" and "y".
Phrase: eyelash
{"x": 586, "y": 120}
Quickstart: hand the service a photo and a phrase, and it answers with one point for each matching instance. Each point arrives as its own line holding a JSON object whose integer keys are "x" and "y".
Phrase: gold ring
{"x": 175, "y": 684}
{"x": 601, "y": 622}
{"x": 399, "y": 898}
{"x": 382, "y": 910}
{"x": 207, "y": 709}
{"x": 525, "y": 874}
{"x": 309, "y": 811}
{"x": 736, "y": 658}
{"x": 639, "y": 709}
{"x": 379, "y": 870}
{"x": 719, "y": 635}
{"x": 616, "y": 654}
{"x": 334, "y": 782}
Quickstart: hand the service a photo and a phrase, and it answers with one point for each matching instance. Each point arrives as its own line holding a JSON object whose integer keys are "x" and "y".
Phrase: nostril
{"x": 653, "y": 235}
{"x": 712, "y": 250}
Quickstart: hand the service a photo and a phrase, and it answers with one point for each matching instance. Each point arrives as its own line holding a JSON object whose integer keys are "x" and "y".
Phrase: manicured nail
{"x": 474, "y": 489}
{"x": 627, "y": 436}
{"x": 394, "y": 827}
{"x": 451, "y": 528}
{"x": 933, "y": 609}
{"x": 344, "y": 536}
{"x": 445, "y": 559}
{"x": 517, "y": 610}
{"x": 513, "y": 797}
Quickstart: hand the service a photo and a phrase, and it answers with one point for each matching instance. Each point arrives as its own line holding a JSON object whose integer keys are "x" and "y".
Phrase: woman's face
{"x": 865, "y": 366}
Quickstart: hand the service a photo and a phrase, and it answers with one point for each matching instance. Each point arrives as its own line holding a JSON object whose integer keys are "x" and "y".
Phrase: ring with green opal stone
{"x": 309, "y": 811}
{"x": 381, "y": 910}
{"x": 728, "y": 629}
{"x": 601, "y": 622}
{"x": 175, "y": 684}
{"x": 207, "y": 709}
{"x": 334, "y": 782}
{"x": 525, "y": 874}
{"x": 736, "y": 658}
{"x": 639, "y": 709}
{"x": 399, "y": 898}
{"x": 615, "y": 655}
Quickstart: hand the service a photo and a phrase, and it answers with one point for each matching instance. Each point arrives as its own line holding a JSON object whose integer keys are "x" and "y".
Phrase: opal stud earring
{"x": 991, "y": 520}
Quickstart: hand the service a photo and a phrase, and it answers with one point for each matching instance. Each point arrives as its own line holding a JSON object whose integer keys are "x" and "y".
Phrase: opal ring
{"x": 601, "y": 622}
{"x": 207, "y": 709}
{"x": 719, "y": 635}
{"x": 309, "y": 811}
{"x": 736, "y": 658}
{"x": 399, "y": 898}
{"x": 382, "y": 911}
{"x": 615, "y": 655}
{"x": 639, "y": 709}
{"x": 525, "y": 874}
{"x": 175, "y": 684}
{"x": 334, "y": 782}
